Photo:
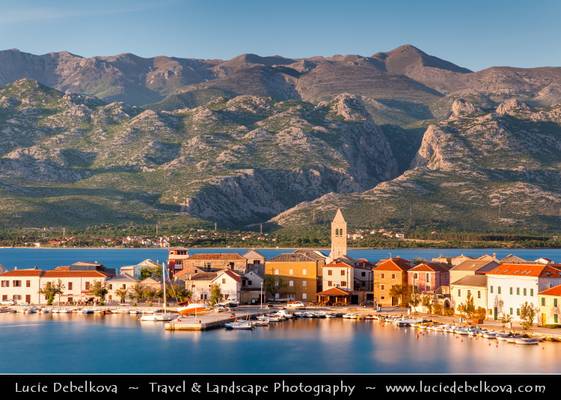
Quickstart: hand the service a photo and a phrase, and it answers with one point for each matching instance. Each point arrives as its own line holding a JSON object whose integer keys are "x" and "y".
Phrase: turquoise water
{"x": 48, "y": 258}
{"x": 120, "y": 343}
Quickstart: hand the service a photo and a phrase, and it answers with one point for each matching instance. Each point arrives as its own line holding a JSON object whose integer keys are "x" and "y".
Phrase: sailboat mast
{"x": 164, "y": 281}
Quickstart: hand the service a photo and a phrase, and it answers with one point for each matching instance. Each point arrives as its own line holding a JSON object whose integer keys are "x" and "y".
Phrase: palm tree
{"x": 122, "y": 294}
{"x": 137, "y": 293}
{"x": 178, "y": 292}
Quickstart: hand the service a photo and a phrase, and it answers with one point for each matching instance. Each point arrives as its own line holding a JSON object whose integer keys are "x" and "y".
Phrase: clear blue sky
{"x": 475, "y": 33}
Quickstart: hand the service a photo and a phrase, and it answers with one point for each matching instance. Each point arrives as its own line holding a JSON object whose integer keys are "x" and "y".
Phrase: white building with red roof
{"x": 512, "y": 285}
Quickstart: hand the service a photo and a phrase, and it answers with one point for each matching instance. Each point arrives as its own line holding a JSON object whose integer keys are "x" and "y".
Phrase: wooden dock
{"x": 208, "y": 321}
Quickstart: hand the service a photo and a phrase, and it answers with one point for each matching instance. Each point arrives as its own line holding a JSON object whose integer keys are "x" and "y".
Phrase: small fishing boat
{"x": 30, "y": 310}
{"x": 350, "y": 316}
{"x": 503, "y": 337}
{"x": 261, "y": 322}
{"x": 489, "y": 335}
{"x": 526, "y": 341}
{"x": 275, "y": 318}
{"x": 240, "y": 325}
{"x": 87, "y": 311}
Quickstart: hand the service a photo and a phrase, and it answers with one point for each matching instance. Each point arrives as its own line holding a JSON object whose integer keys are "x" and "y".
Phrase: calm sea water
{"x": 120, "y": 343}
{"x": 48, "y": 258}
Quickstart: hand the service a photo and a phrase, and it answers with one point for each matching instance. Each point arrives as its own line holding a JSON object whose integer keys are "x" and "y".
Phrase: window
{"x": 5, "y": 283}
{"x": 459, "y": 292}
{"x": 517, "y": 311}
{"x": 554, "y": 302}
{"x": 479, "y": 294}
{"x": 277, "y": 283}
{"x": 304, "y": 271}
{"x": 329, "y": 283}
{"x": 223, "y": 281}
{"x": 498, "y": 290}
{"x": 343, "y": 283}
{"x": 491, "y": 289}
{"x": 342, "y": 272}
{"x": 16, "y": 283}
{"x": 382, "y": 287}
{"x": 382, "y": 276}
{"x": 28, "y": 283}
{"x": 70, "y": 285}
{"x": 543, "y": 301}
{"x": 291, "y": 283}
{"x": 393, "y": 276}
{"x": 87, "y": 286}
{"x": 276, "y": 272}
{"x": 329, "y": 272}
{"x": 414, "y": 275}
{"x": 304, "y": 284}
{"x": 363, "y": 274}
{"x": 511, "y": 312}
{"x": 510, "y": 291}
{"x": 427, "y": 276}
{"x": 290, "y": 271}
{"x": 304, "y": 296}
{"x": 524, "y": 292}
{"x": 469, "y": 293}
{"x": 518, "y": 291}
{"x": 532, "y": 292}
{"x": 555, "y": 318}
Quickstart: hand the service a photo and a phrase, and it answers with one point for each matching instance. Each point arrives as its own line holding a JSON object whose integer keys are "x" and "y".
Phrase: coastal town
{"x": 510, "y": 291}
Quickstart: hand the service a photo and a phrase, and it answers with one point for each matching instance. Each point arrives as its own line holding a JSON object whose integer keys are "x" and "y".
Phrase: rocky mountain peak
{"x": 463, "y": 108}
{"x": 512, "y": 107}
{"x": 349, "y": 107}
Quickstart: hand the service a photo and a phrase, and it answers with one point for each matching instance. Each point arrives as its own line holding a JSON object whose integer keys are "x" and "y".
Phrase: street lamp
{"x": 261, "y": 295}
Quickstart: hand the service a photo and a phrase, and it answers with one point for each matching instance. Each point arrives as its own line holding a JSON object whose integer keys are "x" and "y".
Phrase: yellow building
{"x": 550, "y": 306}
{"x": 293, "y": 276}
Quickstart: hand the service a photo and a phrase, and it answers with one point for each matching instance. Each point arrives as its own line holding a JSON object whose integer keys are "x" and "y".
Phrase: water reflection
{"x": 120, "y": 343}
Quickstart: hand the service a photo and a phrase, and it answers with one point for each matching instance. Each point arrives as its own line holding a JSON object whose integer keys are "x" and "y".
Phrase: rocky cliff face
{"x": 400, "y": 137}
{"x": 234, "y": 161}
{"x": 475, "y": 171}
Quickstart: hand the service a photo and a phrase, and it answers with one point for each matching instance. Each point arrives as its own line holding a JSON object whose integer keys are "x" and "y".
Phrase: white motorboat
{"x": 87, "y": 311}
{"x": 158, "y": 317}
{"x": 241, "y": 325}
{"x": 284, "y": 314}
{"x": 30, "y": 310}
{"x": 261, "y": 322}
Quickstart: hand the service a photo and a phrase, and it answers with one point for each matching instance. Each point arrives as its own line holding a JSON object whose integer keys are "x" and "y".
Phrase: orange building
{"x": 387, "y": 274}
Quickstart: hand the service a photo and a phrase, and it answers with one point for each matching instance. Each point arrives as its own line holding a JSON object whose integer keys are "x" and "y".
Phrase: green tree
{"x": 414, "y": 299}
{"x": 154, "y": 272}
{"x": 122, "y": 294}
{"x": 136, "y": 293}
{"x": 51, "y": 290}
{"x": 468, "y": 308}
{"x": 178, "y": 292}
{"x": 215, "y": 295}
{"x": 527, "y": 314}
{"x": 426, "y": 301}
{"x": 99, "y": 290}
{"x": 399, "y": 292}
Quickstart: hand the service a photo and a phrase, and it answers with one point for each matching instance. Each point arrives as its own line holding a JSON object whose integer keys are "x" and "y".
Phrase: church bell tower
{"x": 338, "y": 236}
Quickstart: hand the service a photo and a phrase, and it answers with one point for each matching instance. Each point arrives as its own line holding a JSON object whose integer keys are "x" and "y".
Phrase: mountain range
{"x": 399, "y": 138}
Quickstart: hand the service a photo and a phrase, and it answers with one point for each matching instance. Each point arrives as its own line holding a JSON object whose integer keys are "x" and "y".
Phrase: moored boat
{"x": 526, "y": 341}
{"x": 240, "y": 325}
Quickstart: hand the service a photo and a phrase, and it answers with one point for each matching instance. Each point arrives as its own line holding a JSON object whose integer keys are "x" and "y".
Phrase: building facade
{"x": 338, "y": 236}
{"x": 470, "y": 285}
{"x": 429, "y": 278}
{"x": 550, "y": 306}
{"x": 293, "y": 277}
{"x": 512, "y": 285}
{"x": 387, "y": 274}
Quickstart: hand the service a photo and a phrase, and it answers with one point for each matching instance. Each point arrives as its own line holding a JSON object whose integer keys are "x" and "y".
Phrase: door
{"x": 394, "y": 301}
{"x": 28, "y": 298}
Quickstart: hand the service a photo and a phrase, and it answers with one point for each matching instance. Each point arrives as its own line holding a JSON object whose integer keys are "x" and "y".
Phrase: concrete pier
{"x": 208, "y": 321}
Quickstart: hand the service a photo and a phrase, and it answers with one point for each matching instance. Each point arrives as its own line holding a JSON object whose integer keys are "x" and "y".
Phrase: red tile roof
{"x": 393, "y": 264}
{"x": 338, "y": 264}
{"x": 534, "y": 270}
{"x": 553, "y": 291}
{"x": 75, "y": 274}
{"x": 430, "y": 267}
{"x": 23, "y": 272}
{"x": 232, "y": 274}
{"x": 216, "y": 256}
{"x": 335, "y": 292}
